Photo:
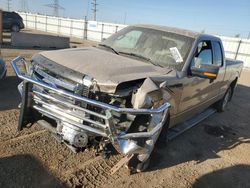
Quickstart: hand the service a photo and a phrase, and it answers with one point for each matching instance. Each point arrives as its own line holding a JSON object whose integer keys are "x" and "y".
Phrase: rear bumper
{"x": 62, "y": 111}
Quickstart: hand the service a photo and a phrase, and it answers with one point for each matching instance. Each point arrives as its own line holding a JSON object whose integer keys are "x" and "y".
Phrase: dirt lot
{"x": 214, "y": 154}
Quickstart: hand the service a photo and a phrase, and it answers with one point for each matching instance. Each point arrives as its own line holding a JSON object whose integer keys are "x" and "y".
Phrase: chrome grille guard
{"x": 106, "y": 129}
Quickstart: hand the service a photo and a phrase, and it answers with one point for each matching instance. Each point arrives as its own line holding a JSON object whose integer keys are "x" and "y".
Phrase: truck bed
{"x": 233, "y": 62}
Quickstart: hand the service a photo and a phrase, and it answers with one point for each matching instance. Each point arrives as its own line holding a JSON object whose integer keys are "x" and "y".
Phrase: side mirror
{"x": 205, "y": 71}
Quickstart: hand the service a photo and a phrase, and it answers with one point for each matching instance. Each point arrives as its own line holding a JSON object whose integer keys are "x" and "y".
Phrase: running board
{"x": 181, "y": 128}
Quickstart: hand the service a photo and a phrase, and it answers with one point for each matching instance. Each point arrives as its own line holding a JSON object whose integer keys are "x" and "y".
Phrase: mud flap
{"x": 26, "y": 113}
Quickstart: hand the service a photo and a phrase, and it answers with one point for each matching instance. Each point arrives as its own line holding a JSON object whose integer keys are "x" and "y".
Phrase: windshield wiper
{"x": 109, "y": 47}
{"x": 140, "y": 56}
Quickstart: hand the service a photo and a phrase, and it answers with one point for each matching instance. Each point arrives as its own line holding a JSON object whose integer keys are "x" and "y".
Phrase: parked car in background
{"x": 12, "y": 21}
{"x": 3, "y": 69}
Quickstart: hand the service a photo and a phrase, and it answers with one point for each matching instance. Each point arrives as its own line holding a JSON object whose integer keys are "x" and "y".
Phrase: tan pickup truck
{"x": 128, "y": 91}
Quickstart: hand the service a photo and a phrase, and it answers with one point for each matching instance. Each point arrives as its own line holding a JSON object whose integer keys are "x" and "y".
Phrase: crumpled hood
{"x": 107, "y": 68}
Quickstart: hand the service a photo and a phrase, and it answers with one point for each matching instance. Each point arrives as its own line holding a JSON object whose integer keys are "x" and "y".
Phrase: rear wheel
{"x": 221, "y": 105}
{"x": 15, "y": 28}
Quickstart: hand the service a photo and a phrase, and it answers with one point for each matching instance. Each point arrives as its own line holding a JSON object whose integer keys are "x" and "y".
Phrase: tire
{"x": 15, "y": 28}
{"x": 221, "y": 105}
{"x": 136, "y": 165}
{"x": 163, "y": 135}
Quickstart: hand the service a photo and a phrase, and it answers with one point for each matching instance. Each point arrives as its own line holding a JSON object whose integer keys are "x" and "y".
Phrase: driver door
{"x": 197, "y": 92}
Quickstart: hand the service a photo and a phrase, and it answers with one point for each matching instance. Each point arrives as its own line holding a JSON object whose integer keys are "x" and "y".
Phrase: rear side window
{"x": 218, "y": 58}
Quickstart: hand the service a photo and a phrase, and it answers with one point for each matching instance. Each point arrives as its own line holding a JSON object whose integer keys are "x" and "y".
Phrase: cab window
{"x": 218, "y": 57}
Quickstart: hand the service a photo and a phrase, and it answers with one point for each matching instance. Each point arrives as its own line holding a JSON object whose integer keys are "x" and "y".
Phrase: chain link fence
{"x": 237, "y": 48}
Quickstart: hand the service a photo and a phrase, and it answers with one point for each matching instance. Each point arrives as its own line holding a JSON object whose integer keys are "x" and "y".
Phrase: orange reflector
{"x": 210, "y": 74}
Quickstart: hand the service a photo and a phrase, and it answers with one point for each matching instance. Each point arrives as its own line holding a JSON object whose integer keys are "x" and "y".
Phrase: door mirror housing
{"x": 205, "y": 71}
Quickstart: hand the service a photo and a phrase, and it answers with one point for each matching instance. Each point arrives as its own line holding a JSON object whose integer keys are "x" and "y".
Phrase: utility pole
{"x": 94, "y": 4}
{"x": 87, "y": 10}
{"x": 248, "y": 35}
{"x": 24, "y": 6}
{"x": 8, "y": 5}
{"x": 56, "y": 7}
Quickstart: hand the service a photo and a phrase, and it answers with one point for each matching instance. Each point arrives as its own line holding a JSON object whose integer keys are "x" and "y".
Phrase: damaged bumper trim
{"x": 85, "y": 99}
{"x": 142, "y": 134}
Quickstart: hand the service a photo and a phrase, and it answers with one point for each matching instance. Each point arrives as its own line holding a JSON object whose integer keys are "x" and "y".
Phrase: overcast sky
{"x": 224, "y": 17}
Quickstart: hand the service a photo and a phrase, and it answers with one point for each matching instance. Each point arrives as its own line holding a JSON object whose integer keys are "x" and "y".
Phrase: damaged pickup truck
{"x": 127, "y": 91}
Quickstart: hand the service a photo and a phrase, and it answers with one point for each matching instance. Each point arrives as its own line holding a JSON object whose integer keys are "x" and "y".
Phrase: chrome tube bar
{"x": 69, "y": 105}
{"x": 142, "y": 134}
{"x": 53, "y": 107}
{"x": 58, "y": 117}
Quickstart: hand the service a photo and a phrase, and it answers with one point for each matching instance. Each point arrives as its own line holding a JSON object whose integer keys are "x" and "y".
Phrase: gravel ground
{"x": 213, "y": 154}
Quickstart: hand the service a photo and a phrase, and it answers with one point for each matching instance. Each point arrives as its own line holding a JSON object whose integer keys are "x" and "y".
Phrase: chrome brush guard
{"x": 64, "y": 111}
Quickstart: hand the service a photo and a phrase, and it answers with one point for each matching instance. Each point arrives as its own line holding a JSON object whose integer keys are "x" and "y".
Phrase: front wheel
{"x": 221, "y": 105}
{"x": 135, "y": 165}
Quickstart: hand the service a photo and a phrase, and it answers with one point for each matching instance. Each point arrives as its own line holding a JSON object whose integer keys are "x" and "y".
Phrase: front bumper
{"x": 63, "y": 111}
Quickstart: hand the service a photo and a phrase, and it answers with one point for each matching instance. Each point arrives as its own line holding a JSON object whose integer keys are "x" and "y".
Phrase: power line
{"x": 94, "y": 9}
{"x": 56, "y": 7}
